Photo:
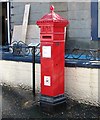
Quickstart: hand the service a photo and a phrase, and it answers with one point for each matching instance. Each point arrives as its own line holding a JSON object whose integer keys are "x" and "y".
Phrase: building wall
{"x": 79, "y": 32}
{"x": 37, "y": 10}
{"x": 78, "y": 14}
{"x": 78, "y": 86}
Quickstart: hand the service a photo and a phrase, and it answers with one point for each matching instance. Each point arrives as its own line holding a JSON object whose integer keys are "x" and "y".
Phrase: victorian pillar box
{"x": 52, "y": 49}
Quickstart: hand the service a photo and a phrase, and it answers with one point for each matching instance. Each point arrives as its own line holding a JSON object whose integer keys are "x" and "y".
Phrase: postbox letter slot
{"x": 46, "y": 37}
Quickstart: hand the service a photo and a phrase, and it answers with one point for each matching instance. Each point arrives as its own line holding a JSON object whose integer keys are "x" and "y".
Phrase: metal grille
{"x": 87, "y": 54}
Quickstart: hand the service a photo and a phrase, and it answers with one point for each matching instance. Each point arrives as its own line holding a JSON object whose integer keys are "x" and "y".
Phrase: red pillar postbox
{"x": 52, "y": 58}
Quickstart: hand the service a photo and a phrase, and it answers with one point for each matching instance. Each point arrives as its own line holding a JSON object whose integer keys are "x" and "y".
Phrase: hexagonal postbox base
{"x": 52, "y": 105}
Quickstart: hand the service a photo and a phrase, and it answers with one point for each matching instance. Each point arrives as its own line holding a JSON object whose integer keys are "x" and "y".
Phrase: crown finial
{"x": 51, "y": 8}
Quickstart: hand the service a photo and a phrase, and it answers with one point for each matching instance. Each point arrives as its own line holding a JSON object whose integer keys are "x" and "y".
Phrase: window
{"x": 95, "y": 22}
{"x": 99, "y": 18}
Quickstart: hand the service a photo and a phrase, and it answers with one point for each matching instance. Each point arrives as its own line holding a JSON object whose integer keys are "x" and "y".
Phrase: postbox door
{"x": 52, "y": 68}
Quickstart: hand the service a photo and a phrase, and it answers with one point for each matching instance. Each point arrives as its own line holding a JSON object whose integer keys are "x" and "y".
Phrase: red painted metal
{"x": 52, "y": 53}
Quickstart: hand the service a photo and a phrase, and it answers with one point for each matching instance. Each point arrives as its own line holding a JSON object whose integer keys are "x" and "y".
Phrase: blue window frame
{"x": 94, "y": 22}
{"x": 99, "y": 18}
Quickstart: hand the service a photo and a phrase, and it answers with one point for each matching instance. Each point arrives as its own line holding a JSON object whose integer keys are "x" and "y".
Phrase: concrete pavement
{"x": 18, "y": 102}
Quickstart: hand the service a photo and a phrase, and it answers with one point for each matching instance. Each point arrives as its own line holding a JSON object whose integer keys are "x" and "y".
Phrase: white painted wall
{"x": 81, "y": 84}
{"x": 0, "y": 103}
{"x": 18, "y": 73}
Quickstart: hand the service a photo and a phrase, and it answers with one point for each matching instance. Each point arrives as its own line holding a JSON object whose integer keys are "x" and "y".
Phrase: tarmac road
{"x": 18, "y": 102}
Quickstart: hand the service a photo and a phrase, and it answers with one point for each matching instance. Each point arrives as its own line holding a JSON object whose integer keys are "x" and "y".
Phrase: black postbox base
{"x": 52, "y": 105}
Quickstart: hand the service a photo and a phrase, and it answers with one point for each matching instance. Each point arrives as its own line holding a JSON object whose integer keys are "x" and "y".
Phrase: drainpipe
{"x": 8, "y": 21}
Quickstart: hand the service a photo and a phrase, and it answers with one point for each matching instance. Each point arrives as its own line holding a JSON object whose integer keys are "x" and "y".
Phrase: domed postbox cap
{"x": 52, "y": 18}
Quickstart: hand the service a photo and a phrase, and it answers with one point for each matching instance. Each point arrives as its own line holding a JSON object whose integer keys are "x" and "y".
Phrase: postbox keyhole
{"x": 57, "y": 44}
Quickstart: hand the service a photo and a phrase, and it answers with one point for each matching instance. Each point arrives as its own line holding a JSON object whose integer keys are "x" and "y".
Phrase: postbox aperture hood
{"x": 52, "y": 18}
